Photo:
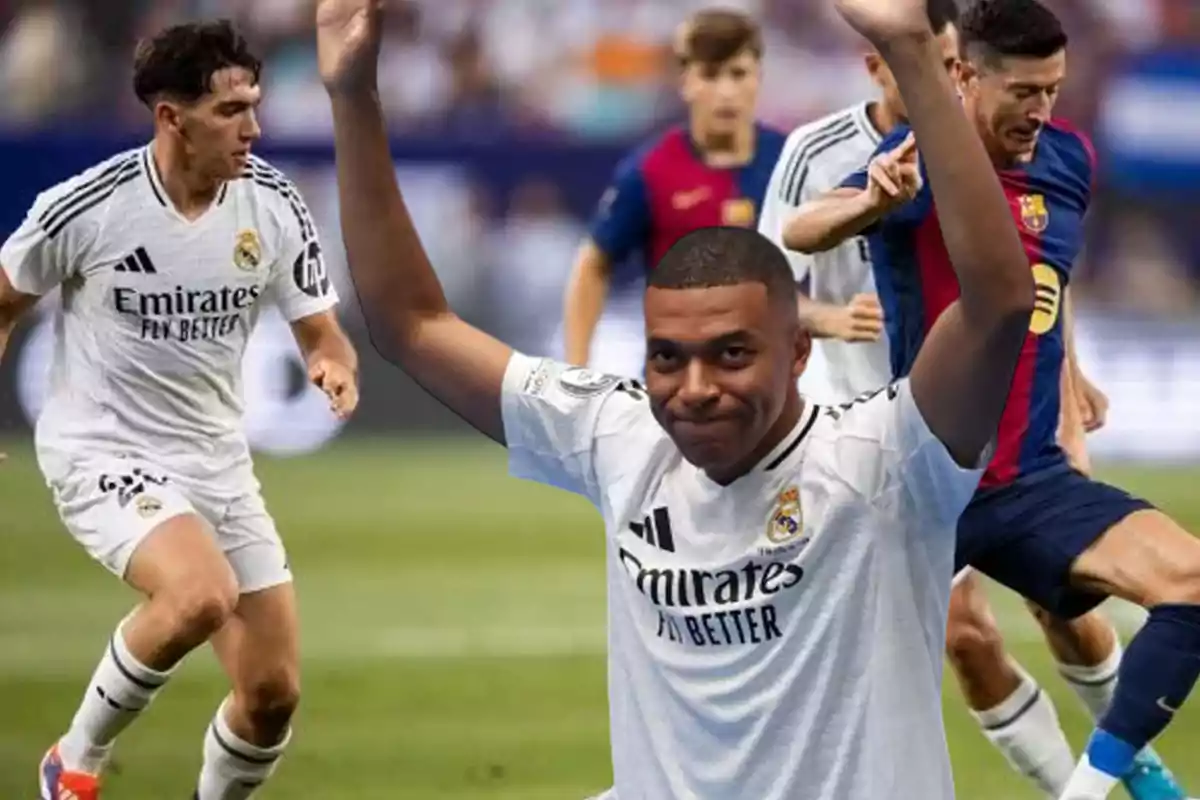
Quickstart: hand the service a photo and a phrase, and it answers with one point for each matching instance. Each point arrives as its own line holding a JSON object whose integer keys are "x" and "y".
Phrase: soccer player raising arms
{"x": 778, "y": 573}
{"x": 165, "y": 256}
{"x": 712, "y": 171}
{"x": 1047, "y": 531}
{"x": 1007, "y": 702}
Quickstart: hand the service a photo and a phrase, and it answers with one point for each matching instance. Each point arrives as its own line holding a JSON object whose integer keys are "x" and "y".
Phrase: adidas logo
{"x": 137, "y": 261}
{"x": 656, "y": 531}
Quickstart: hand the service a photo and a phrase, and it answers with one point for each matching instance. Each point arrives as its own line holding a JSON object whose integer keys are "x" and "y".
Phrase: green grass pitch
{"x": 453, "y": 637}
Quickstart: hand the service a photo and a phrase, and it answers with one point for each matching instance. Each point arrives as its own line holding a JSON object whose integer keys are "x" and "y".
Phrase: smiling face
{"x": 721, "y": 366}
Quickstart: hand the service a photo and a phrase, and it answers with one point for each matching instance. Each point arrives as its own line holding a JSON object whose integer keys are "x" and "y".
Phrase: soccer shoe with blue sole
{"x": 59, "y": 784}
{"x": 1151, "y": 780}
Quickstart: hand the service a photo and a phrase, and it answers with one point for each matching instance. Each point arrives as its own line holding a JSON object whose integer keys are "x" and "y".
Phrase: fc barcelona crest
{"x": 1034, "y": 215}
{"x": 247, "y": 252}
{"x": 739, "y": 212}
{"x": 786, "y": 521}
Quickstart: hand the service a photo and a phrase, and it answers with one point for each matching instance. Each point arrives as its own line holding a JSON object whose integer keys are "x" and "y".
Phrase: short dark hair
{"x": 725, "y": 256}
{"x": 715, "y": 35}
{"x": 942, "y": 14}
{"x": 180, "y": 61}
{"x": 993, "y": 29}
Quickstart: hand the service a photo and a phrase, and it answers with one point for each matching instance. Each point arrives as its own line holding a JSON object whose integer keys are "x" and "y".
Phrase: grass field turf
{"x": 453, "y": 636}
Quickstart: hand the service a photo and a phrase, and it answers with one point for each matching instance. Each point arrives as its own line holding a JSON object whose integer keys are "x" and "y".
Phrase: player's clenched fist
{"x": 339, "y": 384}
{"x": 348, "y": 43}
{"x": 884, "y": 21}
{"x": 894, "y": 178}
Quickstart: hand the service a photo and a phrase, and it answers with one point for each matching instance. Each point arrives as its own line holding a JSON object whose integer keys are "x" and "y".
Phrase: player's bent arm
{"x": 964, "y": 371}
{"x": 409, "y": 321}
{"x": 823, "y": 224}
{"x": 818, "y": 318}
{"x": 13, "y": 304}
{"x": 321, "y": 338}
{"x": 587, "y": 292}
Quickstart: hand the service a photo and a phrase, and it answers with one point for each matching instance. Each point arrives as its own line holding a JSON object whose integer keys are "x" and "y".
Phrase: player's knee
{"x": 271, "y": 698}
{"x": 199, "y": 609}
{"x": 972, "y": 639}
{"x": 1180, "y": 584}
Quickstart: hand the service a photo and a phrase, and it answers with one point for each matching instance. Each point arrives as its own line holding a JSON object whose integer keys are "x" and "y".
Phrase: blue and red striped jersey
{"x": 1049, "y": 197}
{"x": 665, "y": 190}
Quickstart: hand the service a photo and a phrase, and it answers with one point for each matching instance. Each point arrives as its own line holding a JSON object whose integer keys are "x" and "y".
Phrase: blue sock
{"x": 1157, "y": 673}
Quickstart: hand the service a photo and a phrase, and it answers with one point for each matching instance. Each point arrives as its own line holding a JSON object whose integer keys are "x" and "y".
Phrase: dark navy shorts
{"x": 1027, "y": 534}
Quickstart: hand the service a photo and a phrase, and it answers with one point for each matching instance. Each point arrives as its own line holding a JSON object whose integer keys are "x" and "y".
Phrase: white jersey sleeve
{"x": 779, "y": 207}
{"x": 300, "y": 284}
{"x": 570, "y": 427}
{"x": 887, "y": 451}
{"x": 48, "y": 247}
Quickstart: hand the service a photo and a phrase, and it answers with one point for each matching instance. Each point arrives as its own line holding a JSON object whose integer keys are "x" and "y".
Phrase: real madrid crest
{"x": 1034, "y": 214}
{"x": 786, "y": 521}
{"x": 247, "y": 252}
{"x": 148, "y": 506}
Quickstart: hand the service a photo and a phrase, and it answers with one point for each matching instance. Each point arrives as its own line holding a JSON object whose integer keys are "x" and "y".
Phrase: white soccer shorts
{"x": 111, "y": 505}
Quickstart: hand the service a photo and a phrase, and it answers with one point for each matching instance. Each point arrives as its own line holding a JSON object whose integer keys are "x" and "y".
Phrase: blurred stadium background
{"x": 454, "y": 618}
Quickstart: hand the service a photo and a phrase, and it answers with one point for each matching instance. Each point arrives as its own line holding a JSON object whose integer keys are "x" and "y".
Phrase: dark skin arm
{"x": 409, "y": 321}
{"x": 963, "y": 375}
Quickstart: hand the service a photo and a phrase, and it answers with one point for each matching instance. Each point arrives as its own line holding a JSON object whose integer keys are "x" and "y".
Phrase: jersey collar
{"x": 774, "y": 461}
{"x": 790, "y": 444}
{"x": 154, "y": 179}
{"x": 862, "y": 117}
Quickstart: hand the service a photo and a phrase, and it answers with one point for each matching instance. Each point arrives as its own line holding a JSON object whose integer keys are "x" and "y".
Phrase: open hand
{"x": 860, "y": 320}
{"x": 882, "y": 21}
{"x": 338, "y": 383}
{"x": 348, "y": 37}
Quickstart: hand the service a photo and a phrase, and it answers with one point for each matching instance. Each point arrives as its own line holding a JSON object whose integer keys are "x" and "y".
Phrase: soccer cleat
{"x": 1151, "y": 780}
{"x": 59, "y": 784}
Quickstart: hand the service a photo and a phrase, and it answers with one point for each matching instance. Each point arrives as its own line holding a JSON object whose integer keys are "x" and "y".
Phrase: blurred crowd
{"x": 476, "y": 70}
{"x": 482, "y": 68}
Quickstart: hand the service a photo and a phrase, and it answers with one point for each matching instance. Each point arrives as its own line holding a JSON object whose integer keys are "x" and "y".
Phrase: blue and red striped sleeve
{"x": 621, "y": 224}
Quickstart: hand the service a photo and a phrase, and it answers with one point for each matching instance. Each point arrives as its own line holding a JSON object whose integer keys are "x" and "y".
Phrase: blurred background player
{"x": 1044, "y": 529}
{"x": 165, "y": 256}
{"x": 846, "y": 319}
{"x": 712, "y": 170}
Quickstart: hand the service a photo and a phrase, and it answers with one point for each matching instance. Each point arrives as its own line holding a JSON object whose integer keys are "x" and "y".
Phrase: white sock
{"x": 233, "y": 768}
{"x": 120, "y": 689}
{"x": 1096, "y": 685}
{"x": 1088, "y": 783}
{"x": 1025, "y": 728}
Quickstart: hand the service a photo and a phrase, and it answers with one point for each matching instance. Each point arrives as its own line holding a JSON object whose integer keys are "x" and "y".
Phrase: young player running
{"x": 165, "y": 257}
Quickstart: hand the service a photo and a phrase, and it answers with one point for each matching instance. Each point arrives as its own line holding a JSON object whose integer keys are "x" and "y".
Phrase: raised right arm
{"x": 963, "y": 374}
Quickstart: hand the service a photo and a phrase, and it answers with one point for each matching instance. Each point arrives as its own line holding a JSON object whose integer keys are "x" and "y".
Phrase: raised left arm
{"x": 331, "y": 359}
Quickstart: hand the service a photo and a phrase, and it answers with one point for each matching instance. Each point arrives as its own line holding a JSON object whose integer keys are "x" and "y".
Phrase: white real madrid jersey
{"x": 157, "y": 310}
{"x": 816, "y": 158}
{"x": 779, "y": 638}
